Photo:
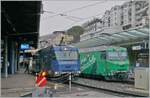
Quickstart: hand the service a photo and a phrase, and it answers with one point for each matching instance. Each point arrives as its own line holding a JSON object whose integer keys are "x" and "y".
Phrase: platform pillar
{"x": 6, "y": 57}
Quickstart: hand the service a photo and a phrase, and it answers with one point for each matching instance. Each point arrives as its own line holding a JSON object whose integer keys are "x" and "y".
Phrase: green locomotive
{"x": 109, "y": 62}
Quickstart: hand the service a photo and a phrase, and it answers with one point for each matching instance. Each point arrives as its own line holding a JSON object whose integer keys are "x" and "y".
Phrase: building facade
{"x": 115, "y": 16}
{"x": 119, "y": 18}
{"x": 54, "y": 38}
{"x": 106, "y": 19}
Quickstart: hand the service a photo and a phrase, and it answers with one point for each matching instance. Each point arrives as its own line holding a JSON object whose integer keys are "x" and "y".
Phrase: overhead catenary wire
{"x": 69, "y": 11}
{"x": 72, "y": 10}
{"x": 64, "y": 15}
{"x": 78, "y": 18}
{"x": 74, "y": 18}
{"x": 71, "y": 19}
{"x": 70, "y": 25}
{"x": 77, "y": 21}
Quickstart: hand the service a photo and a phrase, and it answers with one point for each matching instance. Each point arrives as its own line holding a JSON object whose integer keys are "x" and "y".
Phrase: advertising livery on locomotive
{"x": 108, "y": 62}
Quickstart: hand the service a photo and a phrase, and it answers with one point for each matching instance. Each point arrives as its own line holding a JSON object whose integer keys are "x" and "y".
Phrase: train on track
{"x": 108, "y": 62}
{"x": 56, "y": 60}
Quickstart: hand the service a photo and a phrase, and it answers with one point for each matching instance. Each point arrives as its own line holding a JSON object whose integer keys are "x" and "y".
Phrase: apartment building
{"x": 90, "y": 27}
{"x": 115, "y": 16}
{"x": 54, "y": 38}
{"x": 129, "y": 15}
{"x": 133, "y": 13}
{"x": 106, "y": 19}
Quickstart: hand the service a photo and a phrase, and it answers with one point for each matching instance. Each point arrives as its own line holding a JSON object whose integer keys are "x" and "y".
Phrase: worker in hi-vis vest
{"x": 41, "y": 79}
{"x": 40, "y": 83}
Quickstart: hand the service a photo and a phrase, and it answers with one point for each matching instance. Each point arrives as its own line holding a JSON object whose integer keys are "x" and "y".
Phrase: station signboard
{"x": 24, "y": 46}
{"x": 141, "y": 46}
{"x": 136, "y": 47}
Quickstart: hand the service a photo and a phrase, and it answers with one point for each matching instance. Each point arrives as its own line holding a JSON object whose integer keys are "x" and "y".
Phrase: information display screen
{"x": 24, "y": 46}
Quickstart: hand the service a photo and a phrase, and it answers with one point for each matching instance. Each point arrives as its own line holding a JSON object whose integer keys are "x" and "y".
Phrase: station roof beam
{"x": 20, "y": 20}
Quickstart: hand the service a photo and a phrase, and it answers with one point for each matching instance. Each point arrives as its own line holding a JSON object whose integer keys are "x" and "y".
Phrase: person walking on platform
{"x": 27, "y": 67}
{"x": 137, "y": 64}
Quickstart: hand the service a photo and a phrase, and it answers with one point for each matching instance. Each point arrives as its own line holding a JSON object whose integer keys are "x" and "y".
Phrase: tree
{"x": 75, "y": 31}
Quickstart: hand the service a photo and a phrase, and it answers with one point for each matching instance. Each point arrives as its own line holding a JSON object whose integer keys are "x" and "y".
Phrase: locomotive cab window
{"x": 117, "y": 55}
{"x": 66, "y": 55}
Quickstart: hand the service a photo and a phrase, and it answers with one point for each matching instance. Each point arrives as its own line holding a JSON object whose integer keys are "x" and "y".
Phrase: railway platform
{"x": 21, "y": 84}
{"x": 17, "y": 84}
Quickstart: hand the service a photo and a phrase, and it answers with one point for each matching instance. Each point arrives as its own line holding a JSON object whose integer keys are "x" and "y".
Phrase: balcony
{"x": 142, "y": 10}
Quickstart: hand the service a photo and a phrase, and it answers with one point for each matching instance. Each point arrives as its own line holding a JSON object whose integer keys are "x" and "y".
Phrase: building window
{"x": 126, "y": 27}
{"x": 121, "y": 22}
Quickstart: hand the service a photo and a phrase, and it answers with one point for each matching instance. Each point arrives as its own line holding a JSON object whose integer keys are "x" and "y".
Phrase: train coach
{"x": 108, "y": 62}
{"x": 56, "y": 60}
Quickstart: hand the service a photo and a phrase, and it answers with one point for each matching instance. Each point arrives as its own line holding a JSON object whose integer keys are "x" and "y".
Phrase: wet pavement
{"x": 16, "y": 84}
{"x": 81, "y": 92}
{"x": 20, "y": 84}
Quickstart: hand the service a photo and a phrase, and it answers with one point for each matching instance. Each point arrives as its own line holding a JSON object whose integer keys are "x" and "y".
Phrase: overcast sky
{"x": 82, "y": 12}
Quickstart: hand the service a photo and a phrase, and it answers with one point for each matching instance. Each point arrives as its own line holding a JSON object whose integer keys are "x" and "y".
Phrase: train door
{"x": 103, "y": 64}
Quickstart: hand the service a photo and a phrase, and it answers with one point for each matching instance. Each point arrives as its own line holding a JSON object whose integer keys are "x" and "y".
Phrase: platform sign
{"x": 24, "y": 46}
{"x": 136, "y": 47}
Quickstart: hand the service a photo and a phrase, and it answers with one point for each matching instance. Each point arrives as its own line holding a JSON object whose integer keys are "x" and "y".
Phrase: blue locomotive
{"x": 57, "y": 60}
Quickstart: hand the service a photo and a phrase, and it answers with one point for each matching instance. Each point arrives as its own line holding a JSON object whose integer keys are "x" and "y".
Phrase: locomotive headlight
{"x": 44, "y": 74}
{"x": 56, "y": 73}
{"x": 65, "y": 48}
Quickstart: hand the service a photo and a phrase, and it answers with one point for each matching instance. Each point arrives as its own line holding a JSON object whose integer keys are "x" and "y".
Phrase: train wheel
{"x": 125, "y": 77}
{"x": 108, "y": 78}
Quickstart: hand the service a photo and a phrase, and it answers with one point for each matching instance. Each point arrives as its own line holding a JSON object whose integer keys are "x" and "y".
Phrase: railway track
{"x": 128, "y": 81}
{"x": 119, "y": 88}
{"x": 111, "y": 87}
{"x": 65, "y": 80}
{"x": 107, "y": 92}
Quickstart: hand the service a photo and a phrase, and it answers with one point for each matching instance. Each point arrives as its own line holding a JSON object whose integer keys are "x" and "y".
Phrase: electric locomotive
{"x": 108, "y": 62}
{"x": 56, "y": 60}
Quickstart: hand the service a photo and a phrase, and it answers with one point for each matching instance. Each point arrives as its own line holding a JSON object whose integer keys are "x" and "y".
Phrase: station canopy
{"x": 20, "y": 21}
{"x": 116, "y": 38}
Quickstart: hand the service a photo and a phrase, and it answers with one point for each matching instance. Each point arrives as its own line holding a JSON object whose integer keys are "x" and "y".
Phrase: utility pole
{"x": 70, "y": 82}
